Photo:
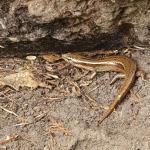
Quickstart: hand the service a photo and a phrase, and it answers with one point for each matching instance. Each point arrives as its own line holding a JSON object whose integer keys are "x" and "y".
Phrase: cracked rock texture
{"x": 69, "y": 20}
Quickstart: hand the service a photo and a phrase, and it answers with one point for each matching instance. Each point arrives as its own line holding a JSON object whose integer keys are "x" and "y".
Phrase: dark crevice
{"x": 48, "y": 44}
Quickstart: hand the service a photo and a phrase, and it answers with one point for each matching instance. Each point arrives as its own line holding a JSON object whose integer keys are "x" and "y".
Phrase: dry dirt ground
{"x": 61, "y": 114}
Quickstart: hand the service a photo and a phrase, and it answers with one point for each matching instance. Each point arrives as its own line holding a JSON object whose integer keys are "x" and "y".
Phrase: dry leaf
{"x": 51, "y": 57}
{"x": 23, "y": 78}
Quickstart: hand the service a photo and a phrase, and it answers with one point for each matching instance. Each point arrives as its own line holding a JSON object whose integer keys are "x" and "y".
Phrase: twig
{"x": 93, "y": 89}
{"x": 8, "y": 139}
{"x": 94, "y": 103}
{"x": 10, "y": 112}
{"x": 21, "y": 124}
{"x": 56, "y": 126}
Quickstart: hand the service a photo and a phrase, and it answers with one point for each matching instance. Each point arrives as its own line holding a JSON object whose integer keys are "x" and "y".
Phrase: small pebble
{"x": 30, "y": 57}
{"x": 30, "y": 119}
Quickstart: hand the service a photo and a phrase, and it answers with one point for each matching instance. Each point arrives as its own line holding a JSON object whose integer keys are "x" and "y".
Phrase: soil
{"x": 63, "y": 115}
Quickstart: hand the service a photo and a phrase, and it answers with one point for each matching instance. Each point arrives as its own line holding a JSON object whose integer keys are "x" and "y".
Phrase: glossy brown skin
{"x": 122, "y": 64}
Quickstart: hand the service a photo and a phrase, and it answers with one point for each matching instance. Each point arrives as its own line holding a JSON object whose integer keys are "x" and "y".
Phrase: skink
{"x": 122, "y": 64}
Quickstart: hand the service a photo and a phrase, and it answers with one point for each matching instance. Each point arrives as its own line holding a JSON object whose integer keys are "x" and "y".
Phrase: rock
{"x": 50, "y": 25}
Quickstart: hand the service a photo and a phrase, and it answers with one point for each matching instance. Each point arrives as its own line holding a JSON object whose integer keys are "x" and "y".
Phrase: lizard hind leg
{"x": 116, "y": 77}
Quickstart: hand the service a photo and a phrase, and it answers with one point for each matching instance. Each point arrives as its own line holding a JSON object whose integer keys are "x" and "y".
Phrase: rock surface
{"x": 93, "y": 23}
